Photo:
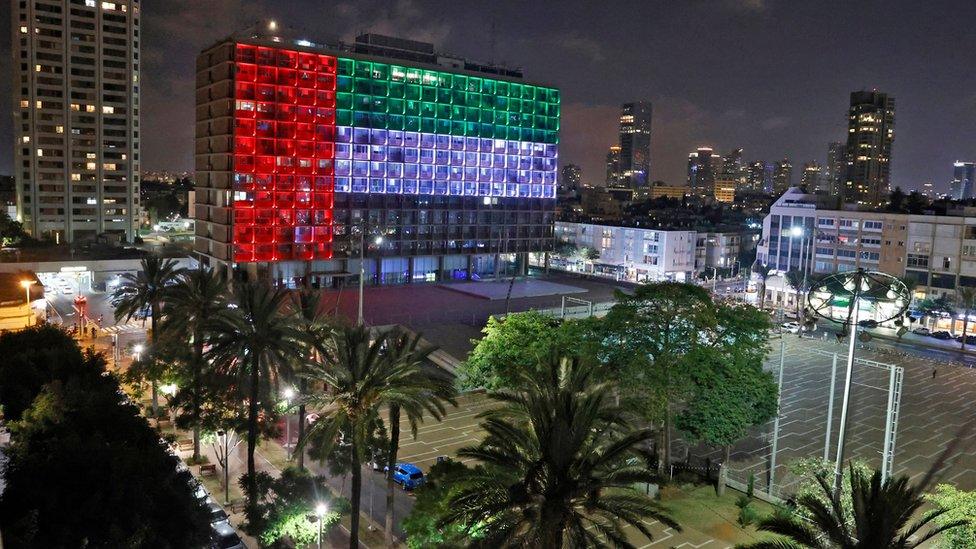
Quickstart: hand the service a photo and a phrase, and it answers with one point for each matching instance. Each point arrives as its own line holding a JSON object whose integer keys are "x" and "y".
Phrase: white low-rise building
{"x": 626, "y": 253}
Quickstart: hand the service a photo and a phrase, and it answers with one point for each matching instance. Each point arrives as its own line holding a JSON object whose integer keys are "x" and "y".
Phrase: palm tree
{"x": 256, "y": 343}
{"x": 426, "y": 390}
{"x": 192, "y": 304}
{"x": 559, "y": 466}
{"x": 967, "y": 297}
{"x": 795, "y": 280}
{"x": 762, "y": 270}
{"x": 145, "y": 291}
{"x": 881, "y": 513}
{"x": 360, "y": 374}
{"x": 314, "y": 325}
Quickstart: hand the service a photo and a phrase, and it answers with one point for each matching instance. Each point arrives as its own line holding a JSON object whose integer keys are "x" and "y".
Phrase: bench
{"x": 208, "y": 469}
{"x": 184, "y": 445}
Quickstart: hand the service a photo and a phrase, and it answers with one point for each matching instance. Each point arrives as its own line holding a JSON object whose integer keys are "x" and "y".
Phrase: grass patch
{"x": 698, "y": 507}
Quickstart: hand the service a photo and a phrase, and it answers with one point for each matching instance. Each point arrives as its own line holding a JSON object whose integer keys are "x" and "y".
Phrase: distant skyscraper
{"x": 927, "y": 190}
{"x": 760, "y": 176}
{"x": 963, "y": 176}
{"x": 812, "y": 177}
{"x": 870, "y": 134}
{"x": 76, "y": 101}
{"x": 703, "y": 165}
{"x": 782, "y": 176}
{"x": 613, "y": 168}
{"x": 635, "y": 145}
{"x": 570, "y": 180}
{"x": 733, "y": 169}
{"x": 836, "y": 168}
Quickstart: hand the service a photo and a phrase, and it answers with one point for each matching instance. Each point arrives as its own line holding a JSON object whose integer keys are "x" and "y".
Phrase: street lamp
{"x": 224, "y": 441}
{"x": 840, "y": 298}
{"x": 137, "y": 351}
{"x": 362, "y": 269}
{"x": 797, "y": 231}
{"x": 26, "y": 285}
{"x": 289, "y": 394}
{"x": 320, "y": 510}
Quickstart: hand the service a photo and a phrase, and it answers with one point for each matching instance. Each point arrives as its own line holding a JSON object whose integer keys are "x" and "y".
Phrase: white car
{"x": 791, "y": 327}
{"x": 921, "y": 330}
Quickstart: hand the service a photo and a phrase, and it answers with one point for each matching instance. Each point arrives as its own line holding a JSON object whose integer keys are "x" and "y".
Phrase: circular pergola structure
{"x": 846, "y": 297}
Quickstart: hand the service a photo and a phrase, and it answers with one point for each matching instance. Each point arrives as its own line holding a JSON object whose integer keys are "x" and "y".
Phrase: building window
{"x": 917, "y": 260}
{"x": 947, "y": 263}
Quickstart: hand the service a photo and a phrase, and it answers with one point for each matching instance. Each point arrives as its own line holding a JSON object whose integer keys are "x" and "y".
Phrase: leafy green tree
{"x": 516, "y": 343}
{"x": 144, "y": 292}
{"x": 85, "y": 469}
{"x": 11, "y": 231}
{"x": 731, "y": 395}
{"x": 256, "y": 344}
{"x": 958, "y": 506}
{"x": 794, "y": 279}
{"x": 424, "y": 393}
{"x": 192, "y": 304}
{"x": 936, "y": 306}
{"x": 880, "y": 513}
{"x": 359, "y": 378}
{"x": 284, "y": 505}
{"x": 560, "y": 466}
{"x": 652, "y": 339}
{"x": 432, "y": 504}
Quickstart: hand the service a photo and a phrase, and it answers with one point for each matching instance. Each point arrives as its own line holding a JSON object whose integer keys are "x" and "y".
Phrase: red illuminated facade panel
{"x": 284, "y": 154}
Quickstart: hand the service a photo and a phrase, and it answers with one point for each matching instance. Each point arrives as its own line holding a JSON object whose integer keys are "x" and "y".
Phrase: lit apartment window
{"x": 90, "y": 156}
{"x": 90, "y": 3}
{"x": 90, "y": 166}
{"x": 76, "y": 177}
{"x": 25, "y": 139}
{"x": 89, "y": 108}
{"x": 108, "y": 110}
{"x": 37, "y": 68}
{"x": 38, "y": 104}
{"x": 108, "y": 6}
{"x": 59, "y": 129}
{"x": 75, "y": 107}
{"x": 24, "y": 103}
{"x": 23, "y": 30}
{"x": 40, "y": 152}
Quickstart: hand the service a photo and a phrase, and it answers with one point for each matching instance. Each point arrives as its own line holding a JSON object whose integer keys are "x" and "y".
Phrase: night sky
{"x": 771, "y": 76}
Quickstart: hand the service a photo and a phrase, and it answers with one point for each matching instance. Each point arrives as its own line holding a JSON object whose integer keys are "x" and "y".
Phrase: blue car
{"x": 408, "y": 476}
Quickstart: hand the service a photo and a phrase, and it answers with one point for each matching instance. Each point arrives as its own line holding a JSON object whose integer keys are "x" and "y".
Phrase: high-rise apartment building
{"x": 703, "y": 166}
{"x": 782, "y": 176}
{"x": 570, "y": 181}
{"x": 835, "y": 171}
{"x": 76, "y": 117}
{"x": 871, "y": 131}
{"x": 613, "y": 168}
{"x": 733, "y": 169}
{"x": 635, "y": 145}
{"x": 312, "y": 156}
{"x": 812, "y": 178}
{"x": 759, "y": 176}
{"x": 963, "y": 176}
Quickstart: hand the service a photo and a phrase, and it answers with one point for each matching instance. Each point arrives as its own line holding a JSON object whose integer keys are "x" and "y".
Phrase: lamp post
{"x": 224, "y": 441}
{"x": 797, "y": 231}
{"x": 289, "y": 394}
{"x": 137, "y": 351}
{"x": 852, "y": 291}
{"x": 362, "y": 269}
{"x": 320, "y": 511}
{"x": 26, "y": 285}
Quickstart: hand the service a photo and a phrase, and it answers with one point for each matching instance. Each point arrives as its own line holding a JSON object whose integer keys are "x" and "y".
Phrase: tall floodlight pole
{"x": 362, "y": 270}
{"x": 840, "y": 298}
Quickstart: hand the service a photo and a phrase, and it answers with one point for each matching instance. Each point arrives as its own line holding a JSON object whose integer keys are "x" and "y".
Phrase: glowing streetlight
{"x": 26, "y": 285}
{"x": 289, "y": 394}
{"x": 137, "y": 351}
{"x": 362, "y": 269}
{"x": 320, "y": 510}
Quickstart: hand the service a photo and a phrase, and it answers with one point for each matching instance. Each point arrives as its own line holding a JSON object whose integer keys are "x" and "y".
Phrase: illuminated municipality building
{"x": 441, "y": 167}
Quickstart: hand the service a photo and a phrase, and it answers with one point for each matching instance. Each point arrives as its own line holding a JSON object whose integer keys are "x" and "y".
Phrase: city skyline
{"x": 808, "y": 76}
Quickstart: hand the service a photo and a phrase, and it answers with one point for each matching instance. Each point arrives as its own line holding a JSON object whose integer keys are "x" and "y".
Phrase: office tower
{"x": 702, "y": 172}
{"x": 782, "y": 176}
{"x": 870, "y": 134}
{"x": 760, "y": 176}
{"x": 307, "y": 153}
{"x": 836, "y": 168}
{"x": 812, "y": 178}
{"x": 928, "y": 190}
{"x": 733, "y": 169}
{"x": 635, "y": 145}
{"x": 76, "y": 111}
{"x": 570, "y": 180}
{"x": 961, "y": 186}
{"x": 614, "y": 177}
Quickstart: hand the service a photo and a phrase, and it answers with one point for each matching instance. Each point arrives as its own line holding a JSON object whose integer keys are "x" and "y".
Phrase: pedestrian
{"x": 934, "y": 371}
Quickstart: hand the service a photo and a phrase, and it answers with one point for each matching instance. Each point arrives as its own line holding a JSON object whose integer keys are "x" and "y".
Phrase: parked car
{"x": 791, "y": 327}
{"x": 970, "y": 339}
{"x": 941, "y": 334}
{"x": 407, "y": 475}
{"x": 921, "y": 330}
{"x": 223, "y": 536}
{"x": 868, "y": 323}
{"x": 217, "y": 513}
